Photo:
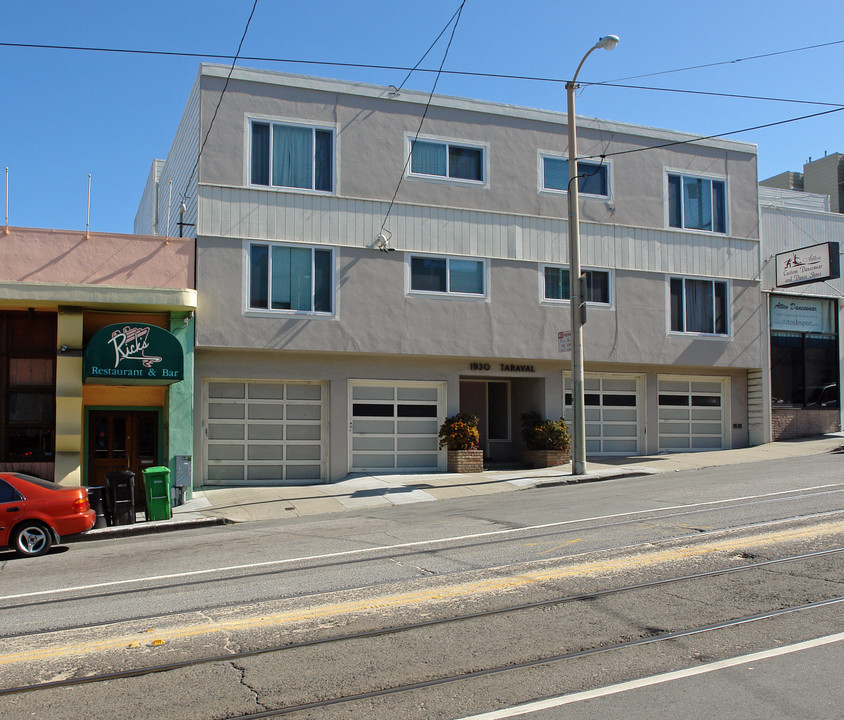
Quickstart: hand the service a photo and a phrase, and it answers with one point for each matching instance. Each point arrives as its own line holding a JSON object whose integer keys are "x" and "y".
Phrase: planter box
{"x": 465, "y": 461}
{"x": 545, "y": 458}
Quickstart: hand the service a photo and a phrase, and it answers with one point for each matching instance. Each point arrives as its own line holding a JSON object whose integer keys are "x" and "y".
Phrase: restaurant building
{"x": 96, "y": 351}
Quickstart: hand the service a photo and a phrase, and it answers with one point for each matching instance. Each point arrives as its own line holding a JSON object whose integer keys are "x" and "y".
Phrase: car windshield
{"x": 38, "y": 481}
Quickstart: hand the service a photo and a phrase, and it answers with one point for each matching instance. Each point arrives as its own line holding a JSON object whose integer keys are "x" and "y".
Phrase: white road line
{"x": 399, "y": 546}
{"x": 539, "y": 705}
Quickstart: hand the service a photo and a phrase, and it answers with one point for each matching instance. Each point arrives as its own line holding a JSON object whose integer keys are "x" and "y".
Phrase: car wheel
{"x": 31, "y": 540}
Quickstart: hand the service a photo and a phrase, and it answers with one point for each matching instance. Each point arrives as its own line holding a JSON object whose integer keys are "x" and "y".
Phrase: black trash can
{"x": 121, "y": 497}
{"x": 96, "y": 500}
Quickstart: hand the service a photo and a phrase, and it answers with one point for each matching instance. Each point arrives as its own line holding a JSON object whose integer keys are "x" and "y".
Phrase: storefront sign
{"x": 797, "y": 314}
{"x": 810, "y": 264}
{"x": 133, "y": 353}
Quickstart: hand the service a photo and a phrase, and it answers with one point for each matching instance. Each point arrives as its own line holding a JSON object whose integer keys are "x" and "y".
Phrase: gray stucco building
{"x": 321, "y": 352}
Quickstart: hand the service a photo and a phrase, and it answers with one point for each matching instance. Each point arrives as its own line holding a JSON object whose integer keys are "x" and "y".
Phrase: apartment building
{"x": 362, "y": 274}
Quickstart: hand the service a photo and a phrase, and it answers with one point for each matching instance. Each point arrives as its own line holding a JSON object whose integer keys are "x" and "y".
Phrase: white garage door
{"x": 395, "y": 426}
{"x": 613, "y": 412}
{"x": 264, "y": 433}
{"x": 692, "y": 413}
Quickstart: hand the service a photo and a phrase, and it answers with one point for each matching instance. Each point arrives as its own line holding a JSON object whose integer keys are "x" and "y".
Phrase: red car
{"x": 35, "y": 513}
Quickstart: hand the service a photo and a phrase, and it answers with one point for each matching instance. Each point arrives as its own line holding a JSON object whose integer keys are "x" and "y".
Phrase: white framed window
{"x": 556, "y": 285}
{"x": 593, "y": 176}
{"x": 696, "y": 203}
{"x": 286, "y": 278}
{"x": 290, "y": 155}
{"x": 447, "y": 276}
{"x": 699, "y": 306}
{"x": 455, "y": 160}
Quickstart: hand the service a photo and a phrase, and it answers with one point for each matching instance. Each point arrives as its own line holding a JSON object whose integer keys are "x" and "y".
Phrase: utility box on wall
{"x": 182, "y": 479}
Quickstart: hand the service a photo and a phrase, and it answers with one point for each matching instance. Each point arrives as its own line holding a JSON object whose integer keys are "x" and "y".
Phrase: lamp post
{"x": 577, "y": 301}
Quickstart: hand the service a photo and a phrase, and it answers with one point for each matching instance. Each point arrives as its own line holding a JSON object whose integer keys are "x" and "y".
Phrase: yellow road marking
{"x": 431, "y": 595}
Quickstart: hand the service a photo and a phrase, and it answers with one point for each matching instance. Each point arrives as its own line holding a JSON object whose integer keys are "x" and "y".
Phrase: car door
{"x": 10, "y": 510}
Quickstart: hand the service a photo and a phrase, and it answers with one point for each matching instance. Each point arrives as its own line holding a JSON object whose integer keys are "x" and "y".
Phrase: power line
{"x": 457, "y": 13}
{"x": 214, "y": 117}
{"x": 716, "y": 94}
{"x": 456, "y": 20}
{"x": 726, "y": 62}
{"x": 464, "y": 73}
{"x": 712, "y": 137}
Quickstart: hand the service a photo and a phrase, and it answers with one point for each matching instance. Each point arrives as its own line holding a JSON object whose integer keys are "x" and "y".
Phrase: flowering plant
{"x": 540, "y": 434}
{"x": 460, "y": 432}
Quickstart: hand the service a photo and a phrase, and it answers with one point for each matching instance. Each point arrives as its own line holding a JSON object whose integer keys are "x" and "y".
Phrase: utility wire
{"x": 712, "y": 137}
{"x": 440, "y": 71}
{"x": 726, "y": 62}
{"x": 456, "y": 20}
{"x": 431, "y": 47}
{"x": 715, "y": 94}
{"x": 214, "y": 116}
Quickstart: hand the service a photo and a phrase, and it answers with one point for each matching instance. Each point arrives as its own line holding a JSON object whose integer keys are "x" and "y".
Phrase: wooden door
{"x": 122, "y": 440}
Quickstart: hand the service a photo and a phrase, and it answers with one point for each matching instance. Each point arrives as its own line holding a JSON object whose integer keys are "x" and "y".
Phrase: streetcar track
{"x": 652, "y": 636}
{"x": 349, "y": 588}
{"x": 424, "y": 684}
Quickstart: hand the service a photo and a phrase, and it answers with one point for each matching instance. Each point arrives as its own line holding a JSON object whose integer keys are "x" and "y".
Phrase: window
{"x": 699, "y": 306}
{"x": 556, "y": 281}
{"x": 289, "y": 278}
{"x": 8, "y": 493}
{"x": 696, "y": 203}
{"x": 594, "y": 177}
{"x": 804, "y": 362}
{"x": 447, "y": 275}
{"x": 446, "y": 160}
{"x": 292, "y": 156}
{"x": 27, "y": 386}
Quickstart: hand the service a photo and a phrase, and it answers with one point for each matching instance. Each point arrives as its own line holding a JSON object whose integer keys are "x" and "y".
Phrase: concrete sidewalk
{"x": 211, "y": 506}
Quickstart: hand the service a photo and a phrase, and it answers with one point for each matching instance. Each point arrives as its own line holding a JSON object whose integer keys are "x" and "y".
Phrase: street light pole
{"x": 576, "y": 289}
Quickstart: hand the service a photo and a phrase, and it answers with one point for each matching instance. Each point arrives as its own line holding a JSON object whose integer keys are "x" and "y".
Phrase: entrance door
{"x": 122, "y": 440}
{"x": 489, "y": 400}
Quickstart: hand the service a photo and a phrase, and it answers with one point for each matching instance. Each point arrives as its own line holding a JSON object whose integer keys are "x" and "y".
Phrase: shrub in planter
{"x": 459, "y": 434}
{"x": 548, "y": 441}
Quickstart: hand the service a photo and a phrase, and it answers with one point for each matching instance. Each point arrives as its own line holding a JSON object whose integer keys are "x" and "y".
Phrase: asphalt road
{"x": 613, "y": 570}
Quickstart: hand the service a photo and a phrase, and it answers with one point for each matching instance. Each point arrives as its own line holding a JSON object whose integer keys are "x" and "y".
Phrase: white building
{"x": 805, "y": 357}
{"x": 318, "y": 354}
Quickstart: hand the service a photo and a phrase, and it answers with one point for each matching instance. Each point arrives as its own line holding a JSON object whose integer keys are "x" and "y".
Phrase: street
{"x": 453, "y": 609}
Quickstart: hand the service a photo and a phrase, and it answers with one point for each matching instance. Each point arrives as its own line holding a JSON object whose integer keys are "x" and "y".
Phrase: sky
{"x": 65, "y": 114}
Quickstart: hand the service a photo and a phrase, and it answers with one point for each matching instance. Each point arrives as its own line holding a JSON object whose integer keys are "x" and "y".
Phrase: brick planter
{"x": 465, "y": 461}
{"x": 545, "y": 458}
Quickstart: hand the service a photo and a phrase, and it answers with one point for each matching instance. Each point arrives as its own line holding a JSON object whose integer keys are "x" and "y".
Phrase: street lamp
{"x": 577, "y": 301}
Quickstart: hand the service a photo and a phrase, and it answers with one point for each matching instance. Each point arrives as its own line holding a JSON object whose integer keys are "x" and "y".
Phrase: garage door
{"x": 395, "y": 426}
{"x": 264, "y": 433}
{"x": 692, "y": 413}
{"x": 613, "y": 412}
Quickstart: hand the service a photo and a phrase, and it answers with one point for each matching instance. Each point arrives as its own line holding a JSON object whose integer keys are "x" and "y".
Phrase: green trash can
{"x": 157, "y": 486}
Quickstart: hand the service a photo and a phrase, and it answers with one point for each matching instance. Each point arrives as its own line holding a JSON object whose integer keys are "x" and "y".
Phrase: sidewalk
{"x": 211, "y": 506}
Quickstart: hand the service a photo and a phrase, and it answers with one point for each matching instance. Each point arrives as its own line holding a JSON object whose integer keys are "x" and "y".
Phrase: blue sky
{"x": 66, "y": 114}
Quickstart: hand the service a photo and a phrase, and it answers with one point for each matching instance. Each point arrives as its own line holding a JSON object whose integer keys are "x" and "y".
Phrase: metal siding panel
{"x": 308, "y": 218}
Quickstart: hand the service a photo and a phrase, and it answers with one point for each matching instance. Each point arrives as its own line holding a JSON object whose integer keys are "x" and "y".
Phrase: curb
{"x": 144, "y": 529}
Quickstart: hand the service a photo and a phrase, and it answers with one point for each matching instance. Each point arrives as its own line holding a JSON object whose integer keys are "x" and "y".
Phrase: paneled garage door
{"x": 264, "y": 433}
{"x": 692, "y": 413}
{"x": 395, "y": 426}
{"x": 614, "y": 414}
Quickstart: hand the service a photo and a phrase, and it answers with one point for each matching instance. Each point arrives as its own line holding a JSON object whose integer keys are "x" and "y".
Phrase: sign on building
{"x": 130, "y": 353}
{"x": 564, "y": 340}
{"x": 807, "y": 265}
